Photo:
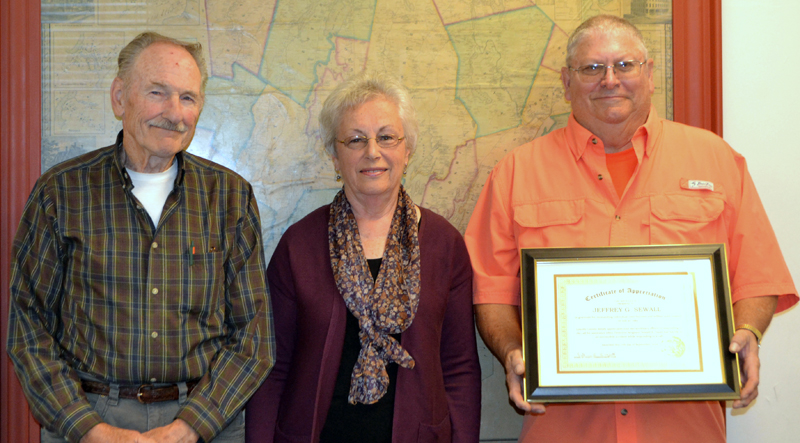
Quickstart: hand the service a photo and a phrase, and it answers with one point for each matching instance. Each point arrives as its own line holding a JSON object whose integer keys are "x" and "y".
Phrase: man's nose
{"x": 173, "y": 109}
{"x": 610, "y": 78}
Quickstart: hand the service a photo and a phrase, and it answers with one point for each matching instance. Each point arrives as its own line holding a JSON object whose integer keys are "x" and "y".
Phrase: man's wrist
{"x": 509, "y": 352}
{"x": 752, "y": 329}
{"x": 185, "y": 429}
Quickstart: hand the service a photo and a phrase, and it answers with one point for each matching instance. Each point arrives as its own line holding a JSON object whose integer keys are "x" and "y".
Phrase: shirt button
{"x": 617, "y": 217}
{"x": 594, "y": 141}
{"x": 154, "y": 291}
{"x": 153, "y": 380}
{"x": 624, "y": 412}
{"x": 599, "y": 176}
{"x": 154, "y": 334}
{"x": 154, "y": 245}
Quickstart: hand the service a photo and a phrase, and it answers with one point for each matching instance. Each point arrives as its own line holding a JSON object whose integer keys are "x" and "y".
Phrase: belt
{"x": 143, "y": 393}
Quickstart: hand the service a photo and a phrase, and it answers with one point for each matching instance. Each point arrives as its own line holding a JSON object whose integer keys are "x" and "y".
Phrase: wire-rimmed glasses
{"x": 622, "y": 69}
{"x": 360, "y": 142}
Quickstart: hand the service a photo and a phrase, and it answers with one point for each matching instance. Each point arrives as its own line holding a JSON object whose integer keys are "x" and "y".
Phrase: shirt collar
{"x": 644, "y": 139}
{"x": 120, "y": 166}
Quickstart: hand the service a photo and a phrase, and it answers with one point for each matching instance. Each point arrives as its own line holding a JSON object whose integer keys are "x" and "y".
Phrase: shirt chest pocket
{"x": 203, "y": 284}
{"x": 687, "y": 219}
{"x": 559, "y": 223}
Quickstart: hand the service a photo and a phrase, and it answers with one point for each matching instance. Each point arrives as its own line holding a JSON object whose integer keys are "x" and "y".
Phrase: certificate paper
{"x": 632, "y": 323}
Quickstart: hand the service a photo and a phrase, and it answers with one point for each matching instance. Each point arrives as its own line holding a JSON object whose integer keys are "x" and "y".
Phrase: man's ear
{"x": 118, "y": 97}
{"x": 565, "y": 79}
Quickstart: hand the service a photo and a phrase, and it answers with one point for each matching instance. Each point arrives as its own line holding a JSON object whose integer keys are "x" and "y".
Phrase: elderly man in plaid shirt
{"x": 139, "y": 308}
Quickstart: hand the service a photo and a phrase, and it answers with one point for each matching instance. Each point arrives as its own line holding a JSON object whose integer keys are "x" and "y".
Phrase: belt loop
{"x": 113, "y": 394}
{"x": 183, "y": 392}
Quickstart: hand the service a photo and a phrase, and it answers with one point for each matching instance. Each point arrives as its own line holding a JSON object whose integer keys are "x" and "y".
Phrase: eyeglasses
{"x": 624, "y": 69}
{"x": 360, "y": 142}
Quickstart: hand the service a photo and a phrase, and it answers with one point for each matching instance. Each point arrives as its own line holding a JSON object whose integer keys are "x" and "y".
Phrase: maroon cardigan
{"x": 437, "y": 401}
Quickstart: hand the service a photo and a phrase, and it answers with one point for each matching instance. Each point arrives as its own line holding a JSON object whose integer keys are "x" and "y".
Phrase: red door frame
{"x": 20, "y": 164}
{"x": 697, "y": 100}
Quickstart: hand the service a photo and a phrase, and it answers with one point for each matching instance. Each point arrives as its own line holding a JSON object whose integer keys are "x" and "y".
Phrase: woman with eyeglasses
{"x": 371, "y": 296}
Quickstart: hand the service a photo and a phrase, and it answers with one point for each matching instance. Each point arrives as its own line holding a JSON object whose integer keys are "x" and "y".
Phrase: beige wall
{"x": 760, "y": 66}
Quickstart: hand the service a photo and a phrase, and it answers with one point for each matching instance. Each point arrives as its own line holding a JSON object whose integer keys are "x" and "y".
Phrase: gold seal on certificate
{"x": 627, "y": 323}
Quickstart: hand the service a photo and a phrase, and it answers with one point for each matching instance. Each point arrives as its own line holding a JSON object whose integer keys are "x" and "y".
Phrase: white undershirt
{"x": 152, "y": 190}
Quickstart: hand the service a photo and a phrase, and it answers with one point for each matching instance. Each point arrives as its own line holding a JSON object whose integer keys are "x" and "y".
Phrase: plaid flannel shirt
{"x": 96, "y": 287}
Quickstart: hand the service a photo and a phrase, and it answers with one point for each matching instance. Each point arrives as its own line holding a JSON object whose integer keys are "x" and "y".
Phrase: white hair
{"x": 604, "y": 24}
{"x": 358, "y": 90}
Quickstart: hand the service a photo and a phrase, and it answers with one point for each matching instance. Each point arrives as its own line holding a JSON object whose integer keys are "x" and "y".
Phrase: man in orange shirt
{"x": 620, "y": 175}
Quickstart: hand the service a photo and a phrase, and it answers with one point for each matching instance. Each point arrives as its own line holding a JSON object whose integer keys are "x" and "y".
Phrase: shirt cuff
{"x": 496, "y": 297}
{"x": 786, "y": 292}
{"x": 77, "y": 420}
{"x": 495, "y": 290}
{"x": 203, "y": 417}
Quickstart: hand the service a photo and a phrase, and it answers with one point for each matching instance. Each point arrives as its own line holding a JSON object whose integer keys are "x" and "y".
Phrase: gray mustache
{"x": 163, "y": 123}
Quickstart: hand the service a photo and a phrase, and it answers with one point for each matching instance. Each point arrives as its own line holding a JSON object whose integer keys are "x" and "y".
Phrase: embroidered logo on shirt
{"x": 701, "y": 184}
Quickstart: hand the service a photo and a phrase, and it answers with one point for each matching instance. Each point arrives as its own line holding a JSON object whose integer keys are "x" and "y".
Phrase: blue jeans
{"x": 130, "y": 414}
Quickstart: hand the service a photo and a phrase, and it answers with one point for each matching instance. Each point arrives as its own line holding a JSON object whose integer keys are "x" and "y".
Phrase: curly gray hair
{"x": 358, "y": 90}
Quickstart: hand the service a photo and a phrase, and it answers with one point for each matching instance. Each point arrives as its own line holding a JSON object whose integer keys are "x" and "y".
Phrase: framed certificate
{"x": 627, "y": 323}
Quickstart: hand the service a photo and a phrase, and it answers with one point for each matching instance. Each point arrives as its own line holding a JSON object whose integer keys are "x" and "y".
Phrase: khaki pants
{"x": 130, "y": 414}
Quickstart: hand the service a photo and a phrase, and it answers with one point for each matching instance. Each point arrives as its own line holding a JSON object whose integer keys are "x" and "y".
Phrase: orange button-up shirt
{"x": 689, "y": 187}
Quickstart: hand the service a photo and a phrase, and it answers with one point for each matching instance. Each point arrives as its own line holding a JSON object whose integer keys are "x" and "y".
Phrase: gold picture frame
{"x": 631, "y": 323}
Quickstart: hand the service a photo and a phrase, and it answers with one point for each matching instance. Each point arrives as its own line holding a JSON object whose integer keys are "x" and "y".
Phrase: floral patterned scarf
{"x": 384, "y": 306}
